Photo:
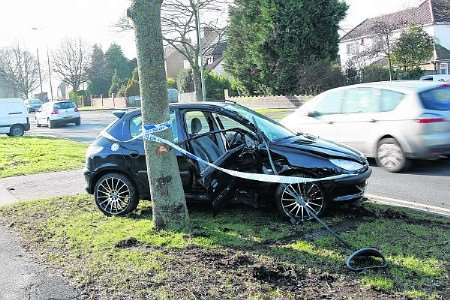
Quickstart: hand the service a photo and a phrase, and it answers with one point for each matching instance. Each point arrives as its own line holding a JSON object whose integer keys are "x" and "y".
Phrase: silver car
{"x": 57, "y": 113}
{"x": 392, "y": 122}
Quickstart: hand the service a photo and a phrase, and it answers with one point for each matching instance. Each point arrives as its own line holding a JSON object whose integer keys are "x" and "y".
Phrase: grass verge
{"x": 30, "y": 155}
{"x": 240, "y": 254}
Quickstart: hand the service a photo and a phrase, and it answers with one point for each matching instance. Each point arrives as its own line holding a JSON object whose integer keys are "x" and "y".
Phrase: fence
{"x": 274, "y": 102}
{"x": 109, "y": 103}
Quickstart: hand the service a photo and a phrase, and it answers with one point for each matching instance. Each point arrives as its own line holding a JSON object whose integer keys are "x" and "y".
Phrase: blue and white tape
{"x": 149, "y": 131}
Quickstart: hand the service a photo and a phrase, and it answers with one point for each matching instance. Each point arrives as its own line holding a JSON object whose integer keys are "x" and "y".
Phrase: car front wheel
{"x": 16, "y": 130}
{"x": 115, "y": 195}
{"x": 290, "y": 206}
{"x": 391, "y": 156}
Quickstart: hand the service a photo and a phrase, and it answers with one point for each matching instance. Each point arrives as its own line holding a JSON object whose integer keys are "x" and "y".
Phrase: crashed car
{"x": 229, "y": 136}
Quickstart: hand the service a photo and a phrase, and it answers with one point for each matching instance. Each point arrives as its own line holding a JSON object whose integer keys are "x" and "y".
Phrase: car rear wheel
{"x": 391, "y": 156}
{"x": 115, "y": 195}
{"x": 289, "y": 205}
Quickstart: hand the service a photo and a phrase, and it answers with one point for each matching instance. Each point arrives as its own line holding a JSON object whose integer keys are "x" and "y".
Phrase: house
{"x": 432, "y": 15}
{"x": 213, "y": 48}
{"x": 7, "y": 90}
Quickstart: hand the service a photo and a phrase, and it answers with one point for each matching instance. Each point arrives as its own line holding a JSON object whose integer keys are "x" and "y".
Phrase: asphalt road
{"x": 427, "y": 183}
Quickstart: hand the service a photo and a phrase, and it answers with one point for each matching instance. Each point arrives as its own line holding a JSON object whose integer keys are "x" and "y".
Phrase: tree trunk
{"x": 169, "y": 204}
{"x": 196, "y": 76}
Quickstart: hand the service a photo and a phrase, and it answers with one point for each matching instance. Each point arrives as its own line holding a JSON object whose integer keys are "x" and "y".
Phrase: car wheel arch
{"x": 388, "y": 136}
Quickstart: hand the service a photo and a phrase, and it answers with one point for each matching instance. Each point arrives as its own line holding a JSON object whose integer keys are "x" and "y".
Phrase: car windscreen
{"x": 436, "y": 99}
{"x": 36, "y": 101}
{"x": 64, "y": 105}
{"x": 273, "y": 130}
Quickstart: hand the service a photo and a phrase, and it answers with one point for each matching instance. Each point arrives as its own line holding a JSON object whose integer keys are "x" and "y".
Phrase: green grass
{"x": 242, "y": 253}
{"x": 30, "y": 155}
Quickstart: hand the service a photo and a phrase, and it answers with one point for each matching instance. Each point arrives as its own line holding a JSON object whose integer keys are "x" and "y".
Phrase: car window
{"x": 330, "y": 103}
{"x": 136, "y": 126}
{"x": 227, "y": 123}
{"x": 202, "y": 117}
{"x": 390, "y": 100}
{"x": 361, "y": 100}
{"x": 436, "y": 99}
{"x": 64, "y": 105}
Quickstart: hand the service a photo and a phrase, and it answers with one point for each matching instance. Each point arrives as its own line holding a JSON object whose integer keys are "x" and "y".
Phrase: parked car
{"x": 392, "y": 122}
{"x": 224, "y": 134}
{"x": 57, "y": 113}
{"x": 33, "y": 104}
{"x": 438, "y": 77}
{"x": 14, "y": 120}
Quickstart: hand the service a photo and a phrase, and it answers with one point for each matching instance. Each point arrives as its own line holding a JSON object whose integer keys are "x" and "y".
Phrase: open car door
{"x": 210, "y": 140}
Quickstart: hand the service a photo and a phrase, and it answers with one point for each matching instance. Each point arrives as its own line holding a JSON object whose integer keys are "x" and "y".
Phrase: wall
{"x": 271, "y": 102}
{"x": 442, "y": 34}
{"x": 110, "y": 103}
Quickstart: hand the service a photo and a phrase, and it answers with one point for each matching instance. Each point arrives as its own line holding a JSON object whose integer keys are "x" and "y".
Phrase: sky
{"x": 93, "y": 20}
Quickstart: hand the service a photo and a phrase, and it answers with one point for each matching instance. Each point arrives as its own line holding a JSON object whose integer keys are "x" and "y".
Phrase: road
{"x": 427, "y": 183}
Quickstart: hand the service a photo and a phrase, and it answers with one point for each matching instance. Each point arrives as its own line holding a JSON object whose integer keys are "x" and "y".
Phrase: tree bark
{"x": 197, "y": 84}
{"x": 169, "y": 204}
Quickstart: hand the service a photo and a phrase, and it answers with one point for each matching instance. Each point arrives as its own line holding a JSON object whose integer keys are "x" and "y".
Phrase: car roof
{"x": 405, "y": 86}
{"x": 194, "y": 105}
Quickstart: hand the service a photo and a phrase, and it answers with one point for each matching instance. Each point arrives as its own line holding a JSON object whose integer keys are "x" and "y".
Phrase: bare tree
{"x": 180, "y": 20}
{"x": 20, "y": 69}
{"x": 169, "y": 204}
{"x": 71, "y": 62}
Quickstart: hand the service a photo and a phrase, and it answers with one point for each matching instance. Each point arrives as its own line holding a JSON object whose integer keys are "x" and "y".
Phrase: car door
{"x": 358, "y": 120}
{"x": 321, "y": 118}
{"x": 204, "y": 142}
{"x": 136, "y": 154}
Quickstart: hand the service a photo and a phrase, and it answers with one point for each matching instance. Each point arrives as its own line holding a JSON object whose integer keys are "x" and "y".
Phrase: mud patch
{"x": 278, "y": 275}
{"x": 127, "y": 243}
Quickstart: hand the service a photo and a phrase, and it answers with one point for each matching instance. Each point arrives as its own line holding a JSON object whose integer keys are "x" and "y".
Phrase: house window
{"x": 352, "y": 49}
{"x": 362, "y": 42}
{"x": 443, "y": 67}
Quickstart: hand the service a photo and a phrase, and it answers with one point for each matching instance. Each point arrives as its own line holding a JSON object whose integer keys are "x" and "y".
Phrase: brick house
{"x": 432, "y": 15}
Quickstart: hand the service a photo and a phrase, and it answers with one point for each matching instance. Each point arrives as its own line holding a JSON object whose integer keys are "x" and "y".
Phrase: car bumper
{"x": 88, "y": 177}
{"x": 64, "y": 120}
{"x": 349, "y": 189}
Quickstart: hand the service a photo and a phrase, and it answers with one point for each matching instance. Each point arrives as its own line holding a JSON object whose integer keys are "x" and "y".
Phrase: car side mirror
{"x": 313, "y": 114}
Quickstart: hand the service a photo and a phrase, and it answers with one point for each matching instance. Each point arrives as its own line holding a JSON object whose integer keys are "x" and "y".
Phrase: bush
{"x": 215, "y": 86}
{"x": 171, "y": 83}
{"x": 185, "y": 82}
{"x": 374, "y": 73}
{"x": 318, "y": 76}
{"x": 78, "y": 96}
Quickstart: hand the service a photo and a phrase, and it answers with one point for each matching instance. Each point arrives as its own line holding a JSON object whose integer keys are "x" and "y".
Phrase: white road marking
{"x": 414, "y": 205}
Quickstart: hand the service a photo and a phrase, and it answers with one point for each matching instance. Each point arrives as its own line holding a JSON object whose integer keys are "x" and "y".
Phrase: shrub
{"x": 318, "y": 76}
{"x": 171, "y": 83}
{"x": 185, "y": 82}
{"x": 215, "y": 86}
{"x": 374, "y": 73}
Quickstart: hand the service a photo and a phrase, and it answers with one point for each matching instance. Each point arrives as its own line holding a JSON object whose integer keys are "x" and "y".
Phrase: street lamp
{"x": 200, "y": 52}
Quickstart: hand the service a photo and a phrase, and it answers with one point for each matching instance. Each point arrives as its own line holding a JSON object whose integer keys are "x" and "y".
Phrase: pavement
{"x": 22, "y": 278}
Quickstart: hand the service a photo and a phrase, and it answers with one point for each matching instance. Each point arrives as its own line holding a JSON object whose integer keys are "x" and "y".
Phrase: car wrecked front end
{"x": 316, "y": 158}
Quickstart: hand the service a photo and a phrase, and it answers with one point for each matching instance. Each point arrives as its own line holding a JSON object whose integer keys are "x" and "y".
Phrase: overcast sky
{"x": 92, "y": 20}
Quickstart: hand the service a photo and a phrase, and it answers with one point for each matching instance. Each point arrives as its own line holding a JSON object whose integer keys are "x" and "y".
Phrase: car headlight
{"x": 348, "y": 165}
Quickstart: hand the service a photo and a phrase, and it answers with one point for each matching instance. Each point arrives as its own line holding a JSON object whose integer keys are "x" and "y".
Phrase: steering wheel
{"x": 239, "y": 136}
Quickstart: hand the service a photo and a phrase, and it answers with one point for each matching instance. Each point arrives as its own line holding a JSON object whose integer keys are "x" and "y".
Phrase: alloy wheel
{"x": 310, "y": 193}
{"x": 113, "y": 195}
{"x": 391, "y": 156}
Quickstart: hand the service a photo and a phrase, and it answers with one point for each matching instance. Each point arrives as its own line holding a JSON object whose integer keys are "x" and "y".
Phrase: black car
{"x": 228, "y": 135}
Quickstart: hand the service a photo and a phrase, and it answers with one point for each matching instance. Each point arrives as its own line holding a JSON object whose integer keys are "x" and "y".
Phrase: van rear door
{"x": 12, "y": 111}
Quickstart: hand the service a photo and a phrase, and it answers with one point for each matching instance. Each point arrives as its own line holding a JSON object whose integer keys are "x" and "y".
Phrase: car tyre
{"x": 312, "y": 193}
{"x": 115, "y": 195}
{"x": 391, "y": 156}
{"x": 51, "y": 124}
{"x": 78, "y": 122}
{"x": 16, "y": 131}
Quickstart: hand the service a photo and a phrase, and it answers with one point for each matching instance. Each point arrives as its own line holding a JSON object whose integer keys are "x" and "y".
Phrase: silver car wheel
{"x": 391, "y": 156}
{"x": 113, "y": 196}
{"x": 311, "y": 194}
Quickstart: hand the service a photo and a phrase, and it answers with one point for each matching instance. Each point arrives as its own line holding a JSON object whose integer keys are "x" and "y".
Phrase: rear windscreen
{"x": 64, "y": 105}
{"x": 436, "y": 99}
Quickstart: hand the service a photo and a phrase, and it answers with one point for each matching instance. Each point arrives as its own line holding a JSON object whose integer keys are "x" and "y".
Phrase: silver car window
{"x": 361, "y": 100}
{"x": 330, "y": 103}
{"x": 390, "y": 100}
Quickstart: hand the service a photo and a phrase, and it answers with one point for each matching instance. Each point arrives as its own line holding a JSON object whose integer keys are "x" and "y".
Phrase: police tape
{"x": 149, "y": 131}
{"x": 149, "y": 134}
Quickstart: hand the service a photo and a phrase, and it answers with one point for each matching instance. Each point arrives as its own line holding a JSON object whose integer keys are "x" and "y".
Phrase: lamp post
{"x": 200, "y": 52}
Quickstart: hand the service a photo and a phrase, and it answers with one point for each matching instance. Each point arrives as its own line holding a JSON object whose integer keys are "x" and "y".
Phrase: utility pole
{"x": 200, "y": 52}
{"x": 50, "y": 76}
{"x": 39, "y": 69}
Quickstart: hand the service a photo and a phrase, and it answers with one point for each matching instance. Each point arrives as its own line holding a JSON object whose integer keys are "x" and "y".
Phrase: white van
{"x": 14, "y": 120}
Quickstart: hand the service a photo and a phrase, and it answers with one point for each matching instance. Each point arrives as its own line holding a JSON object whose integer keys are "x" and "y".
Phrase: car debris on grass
{"x": 242, "y": 253}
